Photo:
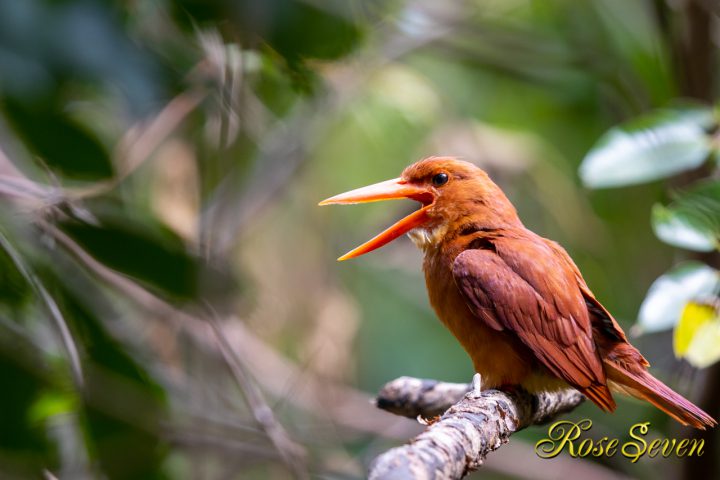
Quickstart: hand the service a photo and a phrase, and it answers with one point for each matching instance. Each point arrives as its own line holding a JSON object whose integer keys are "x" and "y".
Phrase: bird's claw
{"x": 427, "y": 421}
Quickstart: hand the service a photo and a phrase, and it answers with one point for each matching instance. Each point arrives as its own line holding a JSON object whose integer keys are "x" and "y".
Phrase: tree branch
{"x": 412, "y": 397}
{"x": 460, "y": 440}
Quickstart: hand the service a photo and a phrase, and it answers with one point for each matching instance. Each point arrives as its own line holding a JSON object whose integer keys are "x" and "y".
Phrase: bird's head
{"x": 453, "y": 194}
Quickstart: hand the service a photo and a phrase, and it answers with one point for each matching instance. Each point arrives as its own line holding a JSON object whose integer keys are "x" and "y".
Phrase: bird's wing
{"x": 521, "y": 286}
{"x": 600, "y": 318}
{"x": 609, "y": 336}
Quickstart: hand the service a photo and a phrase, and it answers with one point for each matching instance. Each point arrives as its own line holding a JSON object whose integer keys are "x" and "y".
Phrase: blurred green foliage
{"x": 161, "y": 161}
{"x": 658, "y": 146}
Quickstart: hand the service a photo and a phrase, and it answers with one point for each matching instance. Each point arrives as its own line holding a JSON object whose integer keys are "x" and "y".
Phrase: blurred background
{"x": 170, "y": 304}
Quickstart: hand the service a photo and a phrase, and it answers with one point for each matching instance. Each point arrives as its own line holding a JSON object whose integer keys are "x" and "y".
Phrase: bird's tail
{"x": 640, "y": 384}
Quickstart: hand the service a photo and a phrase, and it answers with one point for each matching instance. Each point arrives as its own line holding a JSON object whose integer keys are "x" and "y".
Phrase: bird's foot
{"x": 428, "y": 421}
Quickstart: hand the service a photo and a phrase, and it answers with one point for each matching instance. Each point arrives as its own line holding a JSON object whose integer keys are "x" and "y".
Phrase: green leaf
{"x": 122, "y": 406}
{"x": 24, "y": 445}
{"x": 648, "y": 148}
{"x": 692, "y": 220}
{"x": 669, "y": 294}
{"x": 14, "y": 290}
{"x": 697, "y": 335}
{"x": 60, "y": 142}
{"x": 296, "y": 30}
{"x": 150, "y": 253}
{"x": 51, "y": 403}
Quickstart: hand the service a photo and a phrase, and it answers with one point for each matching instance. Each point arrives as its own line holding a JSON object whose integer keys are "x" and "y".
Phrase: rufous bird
{"x": 516, "y": 301}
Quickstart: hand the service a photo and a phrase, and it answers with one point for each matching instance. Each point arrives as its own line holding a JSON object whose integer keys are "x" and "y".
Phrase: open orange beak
{"x": 387, "y": 190}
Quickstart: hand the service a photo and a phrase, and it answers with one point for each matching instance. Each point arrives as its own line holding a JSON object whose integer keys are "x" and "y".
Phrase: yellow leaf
{"x": 697, "y": 334}
{"x": 704, "y": 349}
{"x": 693, "y": 316}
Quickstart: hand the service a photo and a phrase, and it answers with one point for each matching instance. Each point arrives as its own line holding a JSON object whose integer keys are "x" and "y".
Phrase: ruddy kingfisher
{"x": 515, "y": 301}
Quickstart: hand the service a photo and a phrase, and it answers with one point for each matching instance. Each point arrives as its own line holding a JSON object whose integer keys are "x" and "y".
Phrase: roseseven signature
{"x": 565, "y": 435}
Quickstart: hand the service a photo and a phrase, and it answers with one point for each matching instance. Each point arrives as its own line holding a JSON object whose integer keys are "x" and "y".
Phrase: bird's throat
{"x": 426, "y": 238}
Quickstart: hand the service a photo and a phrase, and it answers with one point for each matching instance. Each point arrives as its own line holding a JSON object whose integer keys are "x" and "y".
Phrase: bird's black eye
{"x": 440, "y": 179}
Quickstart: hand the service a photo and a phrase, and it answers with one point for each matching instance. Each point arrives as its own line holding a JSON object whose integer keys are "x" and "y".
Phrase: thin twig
{"x": 52, "y": 308}
{"x": 347, "y": 408}
{"x": 291, "y": 453}
{"x": 48, "y": 475}
{"x": 338, "y": 403}
{"x": 286, "y": 448}
{"x": 141, "y": 140}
